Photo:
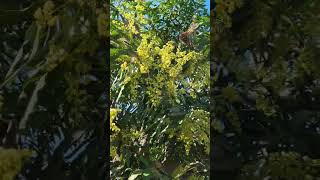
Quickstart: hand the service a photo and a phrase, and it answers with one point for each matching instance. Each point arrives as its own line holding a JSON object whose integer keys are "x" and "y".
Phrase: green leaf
{"x": 33, "y": 52}
{"x": 16, "y": 59}
{"x": 134, "y": 176}
{"x": 32, "y": 102}
{"x": 146, "y": 174}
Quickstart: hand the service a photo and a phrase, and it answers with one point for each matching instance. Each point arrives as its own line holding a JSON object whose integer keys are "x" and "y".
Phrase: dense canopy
{"x": 238, "y": 91}
{"x": 52, "y": 89}
{"x": 159, "y": 89}
{"x": 265, "y": 89}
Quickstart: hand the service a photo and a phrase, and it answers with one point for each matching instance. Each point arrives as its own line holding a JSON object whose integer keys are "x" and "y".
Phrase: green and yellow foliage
{"x": 265, "y": 89}
{"x": 282, "y": 165}
{"x": 11, "y": 161}
{"x": 160, "y": 87}
{"x": 52, "y": 85}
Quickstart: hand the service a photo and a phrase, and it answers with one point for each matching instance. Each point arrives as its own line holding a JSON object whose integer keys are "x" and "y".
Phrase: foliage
{"x": 160, "y": 87}
{"x": 11, "y": 161}
{"x": 264, "y": 61}
{"x": 52, "y": 86}
{"x": 284, "y": 165}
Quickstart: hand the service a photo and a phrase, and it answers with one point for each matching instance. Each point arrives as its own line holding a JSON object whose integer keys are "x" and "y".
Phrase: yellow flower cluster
{"x": 144, "y": 69}
{"x": 160, "y": 68}
{"x": 187, "y": 57}
{"x": 131, "y": 23}
{"x": 124, "y": 66}
{"x": 139, "y": 1}
{"x": 44, "y": 16}
{"x": 133, "y": 19}
{"x": 224, "y": 9}
{"x": 144, "y": 54}
{"x": 144, "y": 49}
{"x": 113, "y": 114}
{"x": 118, "y": 24}
{"x": 126, "y": 80}
{"x": 176, "y": 69}
{"x": 113, "y": 151}
{"x": 55, "y": 57}
{"x": 167, "y": 55}
{"x": 11, "y": 161}
{"x": 135, "y": 134}
{"x": 187, "y": 139}
{"x": 154, "y": 89}
{"x": 139, "y": 8}
{"x": 195, "y": 129}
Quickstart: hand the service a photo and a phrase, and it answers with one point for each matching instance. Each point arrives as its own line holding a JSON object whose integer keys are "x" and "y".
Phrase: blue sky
{"x": 208, "y": 5}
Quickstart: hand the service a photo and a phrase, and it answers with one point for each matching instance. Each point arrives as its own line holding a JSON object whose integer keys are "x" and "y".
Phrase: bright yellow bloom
{"x": 113, "y": 114}
{"x": 124, "y": 66}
